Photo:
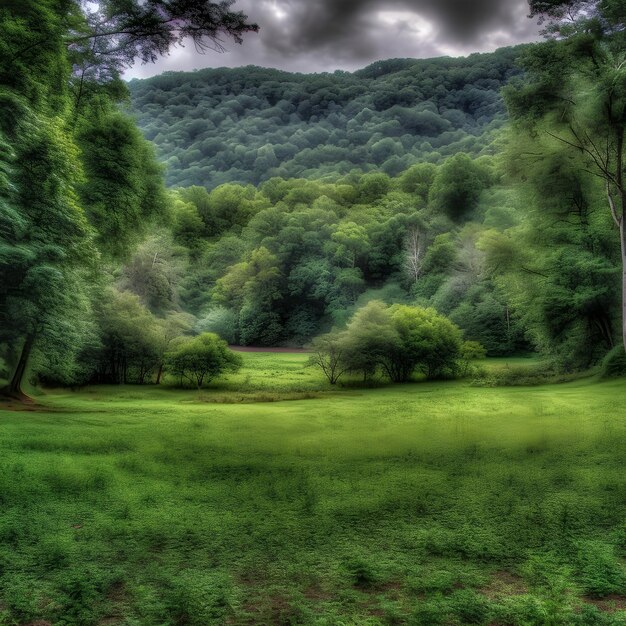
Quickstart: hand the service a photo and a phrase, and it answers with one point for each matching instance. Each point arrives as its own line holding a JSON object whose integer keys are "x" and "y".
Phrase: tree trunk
{"x": 622, "y": 240}
{"x": 14, "y": 388}
{"x": 619, "y": 180}
{"x": 159, "y": 374}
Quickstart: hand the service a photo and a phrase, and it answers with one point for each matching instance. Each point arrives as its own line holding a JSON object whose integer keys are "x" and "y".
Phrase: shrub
{"x": 400, "y": 340}
{"x": 201, "y": 359}
{"x": 614, "y": 364}
{"x": 222, "y": 322}
{"x": 361, "y": 572}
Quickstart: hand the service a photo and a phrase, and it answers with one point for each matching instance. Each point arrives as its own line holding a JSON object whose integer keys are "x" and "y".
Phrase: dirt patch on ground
{"x": 315, "y": 593}
{"x": 608, "y": 604}
{"x": 272, "y": 350}
{"x": 13, "y": 404}
{"x": 272, "y": 609}
{"x": 504, "y": 584}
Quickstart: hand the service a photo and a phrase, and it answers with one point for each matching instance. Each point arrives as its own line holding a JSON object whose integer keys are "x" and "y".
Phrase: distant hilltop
{"x": 249, "y": 124}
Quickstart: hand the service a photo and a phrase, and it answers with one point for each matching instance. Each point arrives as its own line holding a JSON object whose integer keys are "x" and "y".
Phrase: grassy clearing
{"x": 437, "y": 503}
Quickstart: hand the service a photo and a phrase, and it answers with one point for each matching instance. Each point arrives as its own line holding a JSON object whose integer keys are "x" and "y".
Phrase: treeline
{"x": 287, "y": 261}
{"x": 249, "y": 124}
{"x": 518, "y": 265}
{"x": 487, "y": 263}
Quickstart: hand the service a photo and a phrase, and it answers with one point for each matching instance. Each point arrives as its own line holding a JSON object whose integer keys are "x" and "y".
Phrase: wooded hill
{"x": 249, "y": 124}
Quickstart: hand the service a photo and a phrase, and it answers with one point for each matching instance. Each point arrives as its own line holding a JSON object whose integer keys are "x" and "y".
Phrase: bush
{"x": 614, "y": 364}
{"x": 201, "y": 359}
{"x": 222, "y": 322}
{"x": 362, "y": 573}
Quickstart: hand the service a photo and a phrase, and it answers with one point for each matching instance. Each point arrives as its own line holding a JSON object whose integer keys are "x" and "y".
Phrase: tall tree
{"x": 575, "y": 94}
{"x": 61, "y": 59}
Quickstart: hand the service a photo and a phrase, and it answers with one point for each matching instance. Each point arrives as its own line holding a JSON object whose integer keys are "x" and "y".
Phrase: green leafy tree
{"x": 201, "y": 359}
{"x": 131, "y": 339}
{"x": 429, "y": 343}
{"x": 369, "y": 337}
{"x": 222, "y": 321}
{"x": 59, "y": 82}
{"x": 457, "y": 186}
{"x": 329, "y": 355}
{"x": 574, "y": 94}
{"x": 400, "y": 340}
{"x": 352, "y": 242}
{"x": 122, "y": 191}
{"x": 46, "y": 251}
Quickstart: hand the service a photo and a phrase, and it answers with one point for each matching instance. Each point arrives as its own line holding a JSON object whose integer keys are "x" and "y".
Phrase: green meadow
{"x": 268, "y": 498}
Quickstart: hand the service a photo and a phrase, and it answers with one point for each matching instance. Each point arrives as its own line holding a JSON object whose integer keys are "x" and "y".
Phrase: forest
{"x": 287, "y": 348}
{"x": 507, "y": 237}
{"x": 249, "y": 124}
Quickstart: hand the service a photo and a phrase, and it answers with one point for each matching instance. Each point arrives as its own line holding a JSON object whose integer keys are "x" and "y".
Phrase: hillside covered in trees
{"x": 248, "y": 124}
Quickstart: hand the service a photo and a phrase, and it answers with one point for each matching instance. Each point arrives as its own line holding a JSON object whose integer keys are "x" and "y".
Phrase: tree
{"x": 131, "y": 339}
{"x": 122, "y": 190}
{"x": 400, "y": 340}
{"x": 174, "y": 325}
{"x": 352, "y": 242}
{"x": 116, "y": 32}
{"x": 415, "y": 251}
{"x": 221, "y": 321}
{"x": 59, "y": 76}
{"x": 45, "y": 251}
{"x": 369, "y": 337}
{"x": 575, "y": 93}
{"x": 457, "y": 186}
{"x": 328, "y": 355}
{"x": 201, "y": 359}
{"x": 429, "y": 342}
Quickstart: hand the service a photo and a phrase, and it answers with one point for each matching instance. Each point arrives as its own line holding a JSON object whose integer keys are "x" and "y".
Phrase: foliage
{"x": 79, "y": 185}
{"x": 398, "y": 340}
{"x": 457, "y": 186}
{"x": 201, "y": 359}
{"x": 328, "y": 355}
{"x": 614, "y": 363}
{"x": 221, "y": 321}
{"x": 122, "y": 191}
{"x": 246, "y": 125}
{"x": 571, "y": 107}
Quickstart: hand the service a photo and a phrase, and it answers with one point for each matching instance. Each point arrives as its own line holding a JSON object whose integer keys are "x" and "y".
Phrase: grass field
{"x": 432, "y": 503}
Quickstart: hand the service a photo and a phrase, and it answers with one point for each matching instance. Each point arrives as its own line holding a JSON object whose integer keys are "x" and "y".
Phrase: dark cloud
{"x": 316, "y": 23}
{"x": 324, "y": 35}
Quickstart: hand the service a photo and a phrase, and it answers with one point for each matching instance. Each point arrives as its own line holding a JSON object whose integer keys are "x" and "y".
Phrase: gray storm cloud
{"x": 324, "y": 35}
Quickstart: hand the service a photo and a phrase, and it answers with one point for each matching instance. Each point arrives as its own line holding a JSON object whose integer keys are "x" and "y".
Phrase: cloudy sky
{"x": 325, "y": 35}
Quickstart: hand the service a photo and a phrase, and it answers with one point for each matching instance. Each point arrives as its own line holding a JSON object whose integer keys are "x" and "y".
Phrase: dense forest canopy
{"x": 248, "y": 124}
